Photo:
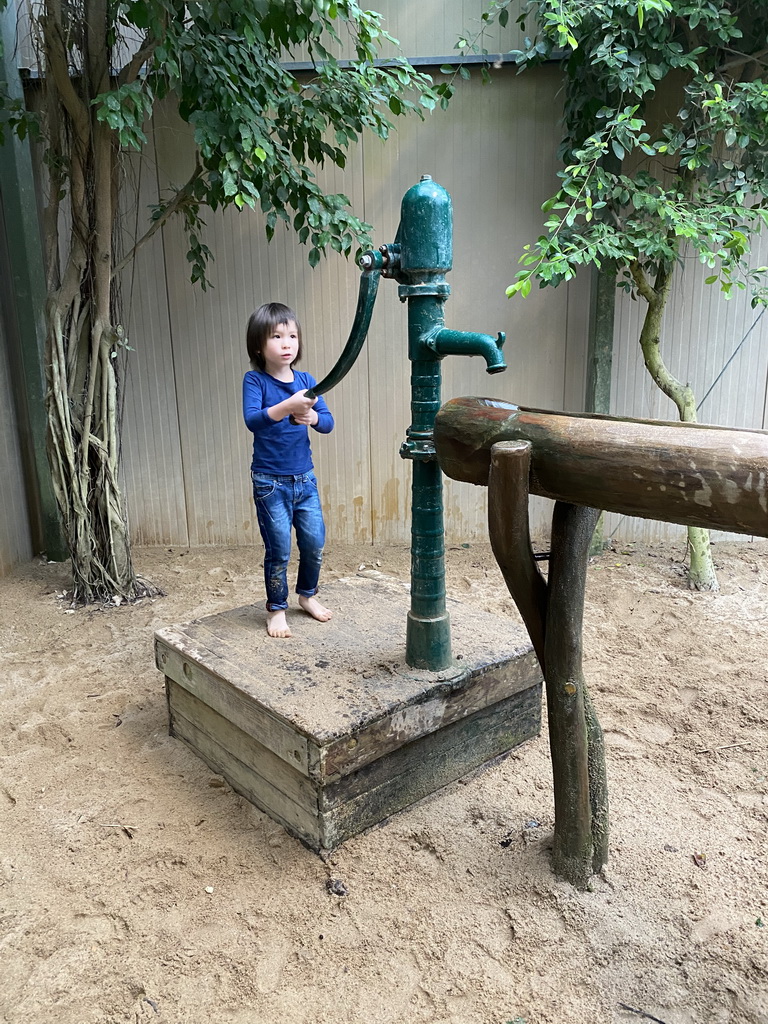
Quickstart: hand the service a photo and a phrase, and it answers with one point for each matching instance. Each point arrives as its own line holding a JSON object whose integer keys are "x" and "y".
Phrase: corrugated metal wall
{"x": 186, "y": 449}
{"x": 432, "y": 28}
{"x": 719, "y": 347}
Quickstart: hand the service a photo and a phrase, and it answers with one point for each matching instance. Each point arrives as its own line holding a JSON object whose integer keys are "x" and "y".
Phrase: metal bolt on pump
{"x": 418, "y": 260}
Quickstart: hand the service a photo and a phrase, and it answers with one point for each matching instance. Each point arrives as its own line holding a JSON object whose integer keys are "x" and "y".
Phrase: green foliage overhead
{"x": 665, "y": 137}
{"x": 261, "y": 129}
{"x": 261, "y": 126}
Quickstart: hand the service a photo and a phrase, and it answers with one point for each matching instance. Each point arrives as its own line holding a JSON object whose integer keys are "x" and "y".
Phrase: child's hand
{"x": 298, "y": 407}
{"x": 309, "y": 418}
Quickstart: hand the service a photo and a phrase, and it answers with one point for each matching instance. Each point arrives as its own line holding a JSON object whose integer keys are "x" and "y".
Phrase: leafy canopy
{"x": 665, "y": 138}
{"x": 260, "y": 129}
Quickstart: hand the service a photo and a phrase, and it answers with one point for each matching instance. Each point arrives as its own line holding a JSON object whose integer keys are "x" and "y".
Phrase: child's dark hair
{"x": 261, "y": 324}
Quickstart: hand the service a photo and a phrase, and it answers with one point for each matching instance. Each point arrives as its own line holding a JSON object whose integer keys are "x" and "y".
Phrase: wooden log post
{"x": 510, "y": 536}
{"x": 553, "y": 613}
{"x": 686, "y": 473}
{"x": 575, "y": 855}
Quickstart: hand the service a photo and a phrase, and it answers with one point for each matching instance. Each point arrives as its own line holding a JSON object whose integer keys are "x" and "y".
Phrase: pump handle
{"x": 369, "y": 284}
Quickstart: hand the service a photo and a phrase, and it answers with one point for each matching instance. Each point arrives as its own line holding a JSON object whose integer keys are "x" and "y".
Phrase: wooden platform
{"x": 330, "y": 732}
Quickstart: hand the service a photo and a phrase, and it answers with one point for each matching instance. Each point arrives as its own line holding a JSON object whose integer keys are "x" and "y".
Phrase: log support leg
{"x": 553, "y": 612}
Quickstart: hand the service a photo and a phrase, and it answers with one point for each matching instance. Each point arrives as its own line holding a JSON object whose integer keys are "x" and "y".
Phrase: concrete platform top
{"x": 332, "y": 680}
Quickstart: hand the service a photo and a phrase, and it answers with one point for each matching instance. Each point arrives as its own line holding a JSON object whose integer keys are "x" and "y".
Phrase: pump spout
{"x": 470, "y": 343}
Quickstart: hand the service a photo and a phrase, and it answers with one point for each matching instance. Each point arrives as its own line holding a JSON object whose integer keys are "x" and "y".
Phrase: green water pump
{"x": 418, "y": 260}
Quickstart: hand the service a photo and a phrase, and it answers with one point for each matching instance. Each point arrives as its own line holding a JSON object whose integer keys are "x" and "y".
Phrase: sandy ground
{"x": 136, "y": 886}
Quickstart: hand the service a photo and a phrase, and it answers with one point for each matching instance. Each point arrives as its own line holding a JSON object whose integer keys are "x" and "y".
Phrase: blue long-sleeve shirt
{"x": 280, "y": 448}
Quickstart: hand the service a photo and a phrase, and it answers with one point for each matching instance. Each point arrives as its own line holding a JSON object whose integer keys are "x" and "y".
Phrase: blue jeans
{"x": 283, "y": 503}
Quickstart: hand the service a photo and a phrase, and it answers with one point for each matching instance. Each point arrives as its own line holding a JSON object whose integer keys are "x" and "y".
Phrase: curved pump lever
{"x": 373, "y": 263}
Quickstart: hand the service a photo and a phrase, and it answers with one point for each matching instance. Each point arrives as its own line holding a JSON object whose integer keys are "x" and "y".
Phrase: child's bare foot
{"x": 313, "y": 607}
{"x": 276, "y": 624}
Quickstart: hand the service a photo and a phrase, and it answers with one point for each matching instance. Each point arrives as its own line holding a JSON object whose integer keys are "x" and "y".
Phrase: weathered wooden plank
{"x": 694, "y": 474}
{"x": 367, "y": 797}
{"x": 325, "y": 816}
{"x": 179, "y": 660}
{"x": 296, "y": 786}
{"x": 237, "y": 630}
{"x": 253, "y": 772}
{"x": 481, "y": 689}
{"x": 364, "y": 740}
{"x": 503, "y": 721}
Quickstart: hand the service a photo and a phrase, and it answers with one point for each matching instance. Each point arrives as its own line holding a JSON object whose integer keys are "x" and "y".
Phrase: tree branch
{"x": 130, "y": 71}
{"x": 742, "y": 59}
{"x": 97, "y": 63}
{"x": 642, "y": 283}
{"x": 174, "y": 206}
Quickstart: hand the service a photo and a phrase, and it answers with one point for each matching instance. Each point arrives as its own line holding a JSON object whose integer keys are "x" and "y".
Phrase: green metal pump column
{"x": 428, "y": 632}
{"x": 418, "y": 260}
{"x": 426, "y": 253}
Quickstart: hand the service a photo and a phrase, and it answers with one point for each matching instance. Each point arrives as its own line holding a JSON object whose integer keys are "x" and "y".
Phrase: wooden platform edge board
{"x": 483, "y": 686}
{"x": 323, "y": 819}
{"x": 210, "y": 741}
{"x": 358, "y": 802}
{"x": 178, "y": 660}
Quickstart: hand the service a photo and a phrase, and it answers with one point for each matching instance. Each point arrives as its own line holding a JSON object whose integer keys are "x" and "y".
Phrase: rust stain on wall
{"x": 361, "y": 519}
{"x": 389, "y": 509}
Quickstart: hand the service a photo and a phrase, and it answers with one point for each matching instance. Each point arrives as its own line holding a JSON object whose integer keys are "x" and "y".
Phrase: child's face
{"x": 281, "y": 348}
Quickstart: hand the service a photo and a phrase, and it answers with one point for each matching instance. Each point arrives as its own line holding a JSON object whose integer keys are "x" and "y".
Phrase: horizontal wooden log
{"x": 689, "y": 473}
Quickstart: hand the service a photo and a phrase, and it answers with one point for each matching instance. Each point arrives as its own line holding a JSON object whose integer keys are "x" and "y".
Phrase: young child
{"x": 277, "y": 410}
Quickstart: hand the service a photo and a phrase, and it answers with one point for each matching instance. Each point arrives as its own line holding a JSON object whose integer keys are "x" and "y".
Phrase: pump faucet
{"x": 469, "y": 343}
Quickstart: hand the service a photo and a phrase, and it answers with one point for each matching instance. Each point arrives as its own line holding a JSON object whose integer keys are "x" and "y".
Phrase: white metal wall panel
{"x": 210, "y": 360}
{"x": 15, "y": 540}
{"x": 702, "y": 332}
{"x": 152, "y": 463}
{"x": 432, "y": 28}
{"x": 26, "y": 44}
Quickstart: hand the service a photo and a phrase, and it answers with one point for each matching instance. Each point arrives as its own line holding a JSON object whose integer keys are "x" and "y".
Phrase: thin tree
{"x": 259, "y": 130}
{"x": 665, "y": 153}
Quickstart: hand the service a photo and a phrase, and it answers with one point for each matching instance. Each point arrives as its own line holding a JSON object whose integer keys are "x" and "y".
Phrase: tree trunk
{"x": 81, "y": 401}
{"x": 701, "y": 574}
